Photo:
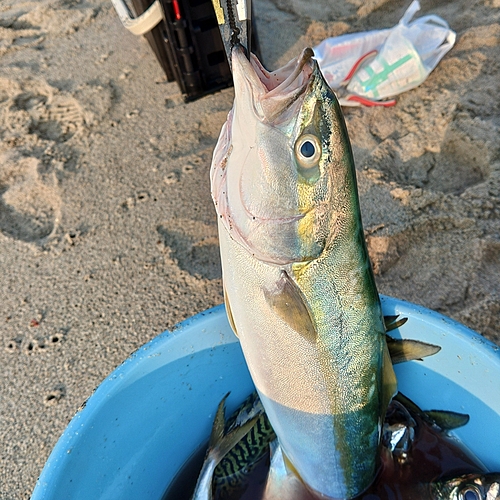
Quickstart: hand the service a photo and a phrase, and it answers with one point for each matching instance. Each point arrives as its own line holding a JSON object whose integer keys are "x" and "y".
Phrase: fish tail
{"x": 220, "y": 445}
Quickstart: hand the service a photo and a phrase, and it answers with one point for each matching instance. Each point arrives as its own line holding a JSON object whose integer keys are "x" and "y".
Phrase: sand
{"x": 107, "y": 230}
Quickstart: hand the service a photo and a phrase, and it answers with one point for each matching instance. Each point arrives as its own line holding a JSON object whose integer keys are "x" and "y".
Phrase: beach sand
{"x": 107, "y": 230}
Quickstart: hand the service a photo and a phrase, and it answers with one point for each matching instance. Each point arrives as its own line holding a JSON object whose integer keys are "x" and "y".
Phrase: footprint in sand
{"x": 37, "y": 123}
{"x": 447, "y": 154}
{"x": 38, "y": 119}
{"x": 461, "y": 164}
{"x": 193, "y": 246}
{"x": 36, "y": 109}
{"x": 482, "y": 301}
{"x": 30, "y": 204}
{"x": 26, "y": 23}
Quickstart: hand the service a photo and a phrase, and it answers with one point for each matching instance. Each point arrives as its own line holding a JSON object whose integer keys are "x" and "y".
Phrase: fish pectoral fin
{"x": 289, "y": 303}
{"x": 229, "y": 312}
{"x": 402, "y": 350}
{"x": 390, "y": 383}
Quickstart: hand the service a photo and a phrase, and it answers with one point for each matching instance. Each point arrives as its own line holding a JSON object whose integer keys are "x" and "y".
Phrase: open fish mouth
{"x": 272, "y": 91}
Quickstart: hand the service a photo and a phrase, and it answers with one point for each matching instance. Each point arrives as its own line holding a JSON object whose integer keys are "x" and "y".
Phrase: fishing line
{"x": 235, "y": 31}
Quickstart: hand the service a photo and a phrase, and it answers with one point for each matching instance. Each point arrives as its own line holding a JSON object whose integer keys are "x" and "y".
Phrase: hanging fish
{"x": 299, "y": 287}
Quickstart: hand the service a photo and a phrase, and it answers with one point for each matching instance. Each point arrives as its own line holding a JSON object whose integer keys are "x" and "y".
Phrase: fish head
{"x": 482, "y": 486}
{"x": 272, "y": 178}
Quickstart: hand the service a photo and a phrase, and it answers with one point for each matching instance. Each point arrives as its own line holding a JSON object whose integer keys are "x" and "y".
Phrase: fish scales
{"x": 235, "y": 468}
{"x": 299, "y": 287}
{"x": 247, "y": 451}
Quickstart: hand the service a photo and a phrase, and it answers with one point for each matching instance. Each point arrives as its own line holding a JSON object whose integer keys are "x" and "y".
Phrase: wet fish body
{"x": 299, "y": 288}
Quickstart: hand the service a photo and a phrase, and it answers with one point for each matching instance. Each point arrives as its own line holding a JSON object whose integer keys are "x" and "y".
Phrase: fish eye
{"x": 308, "y": 150}
{"x": 470, "y": 493}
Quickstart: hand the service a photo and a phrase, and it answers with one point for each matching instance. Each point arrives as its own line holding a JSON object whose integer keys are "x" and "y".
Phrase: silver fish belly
{"x": 299, "y": 288}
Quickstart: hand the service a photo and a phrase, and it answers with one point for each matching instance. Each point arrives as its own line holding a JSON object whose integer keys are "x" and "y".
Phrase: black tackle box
{"x": 188, "y": 46}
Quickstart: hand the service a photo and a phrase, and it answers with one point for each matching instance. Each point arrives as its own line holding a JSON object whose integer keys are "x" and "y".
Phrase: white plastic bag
{"x": 403, "y": 56}
{"x": 337, "y": 56}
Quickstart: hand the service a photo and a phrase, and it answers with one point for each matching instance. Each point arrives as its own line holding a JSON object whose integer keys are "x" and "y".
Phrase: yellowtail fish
{"x": 299, "y": 288}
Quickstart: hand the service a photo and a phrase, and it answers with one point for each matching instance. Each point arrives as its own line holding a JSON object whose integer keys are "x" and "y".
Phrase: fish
{"x": 233, "y": 472}
{"x": 444, "y": 420}
{"x": 421, "y": 461}
{"x": 298, "y": 284}
{"x": 404, "y": 416}
{"x": 406, "y": 471}
{"x": 467, "y": 487}
{"x": 231, "y": 475}
{"x": 222, "y": 441}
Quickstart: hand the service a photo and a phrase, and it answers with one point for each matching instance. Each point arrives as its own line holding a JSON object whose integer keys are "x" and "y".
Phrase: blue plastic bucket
{"x": 148, "y": 417}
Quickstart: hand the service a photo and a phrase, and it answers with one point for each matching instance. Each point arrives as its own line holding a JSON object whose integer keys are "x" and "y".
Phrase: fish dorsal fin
{"x": 446, "y": 420}
{"x": 389, "y": 381}
{"x": 392, "y": 322}
{"x": 407, "y": 350}
{"x": 288, "y": 302}
{"x": 229, "y": 312}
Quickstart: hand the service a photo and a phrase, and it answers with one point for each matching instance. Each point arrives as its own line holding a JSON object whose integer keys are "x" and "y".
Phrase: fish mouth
{"x": 273, "y": 92}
